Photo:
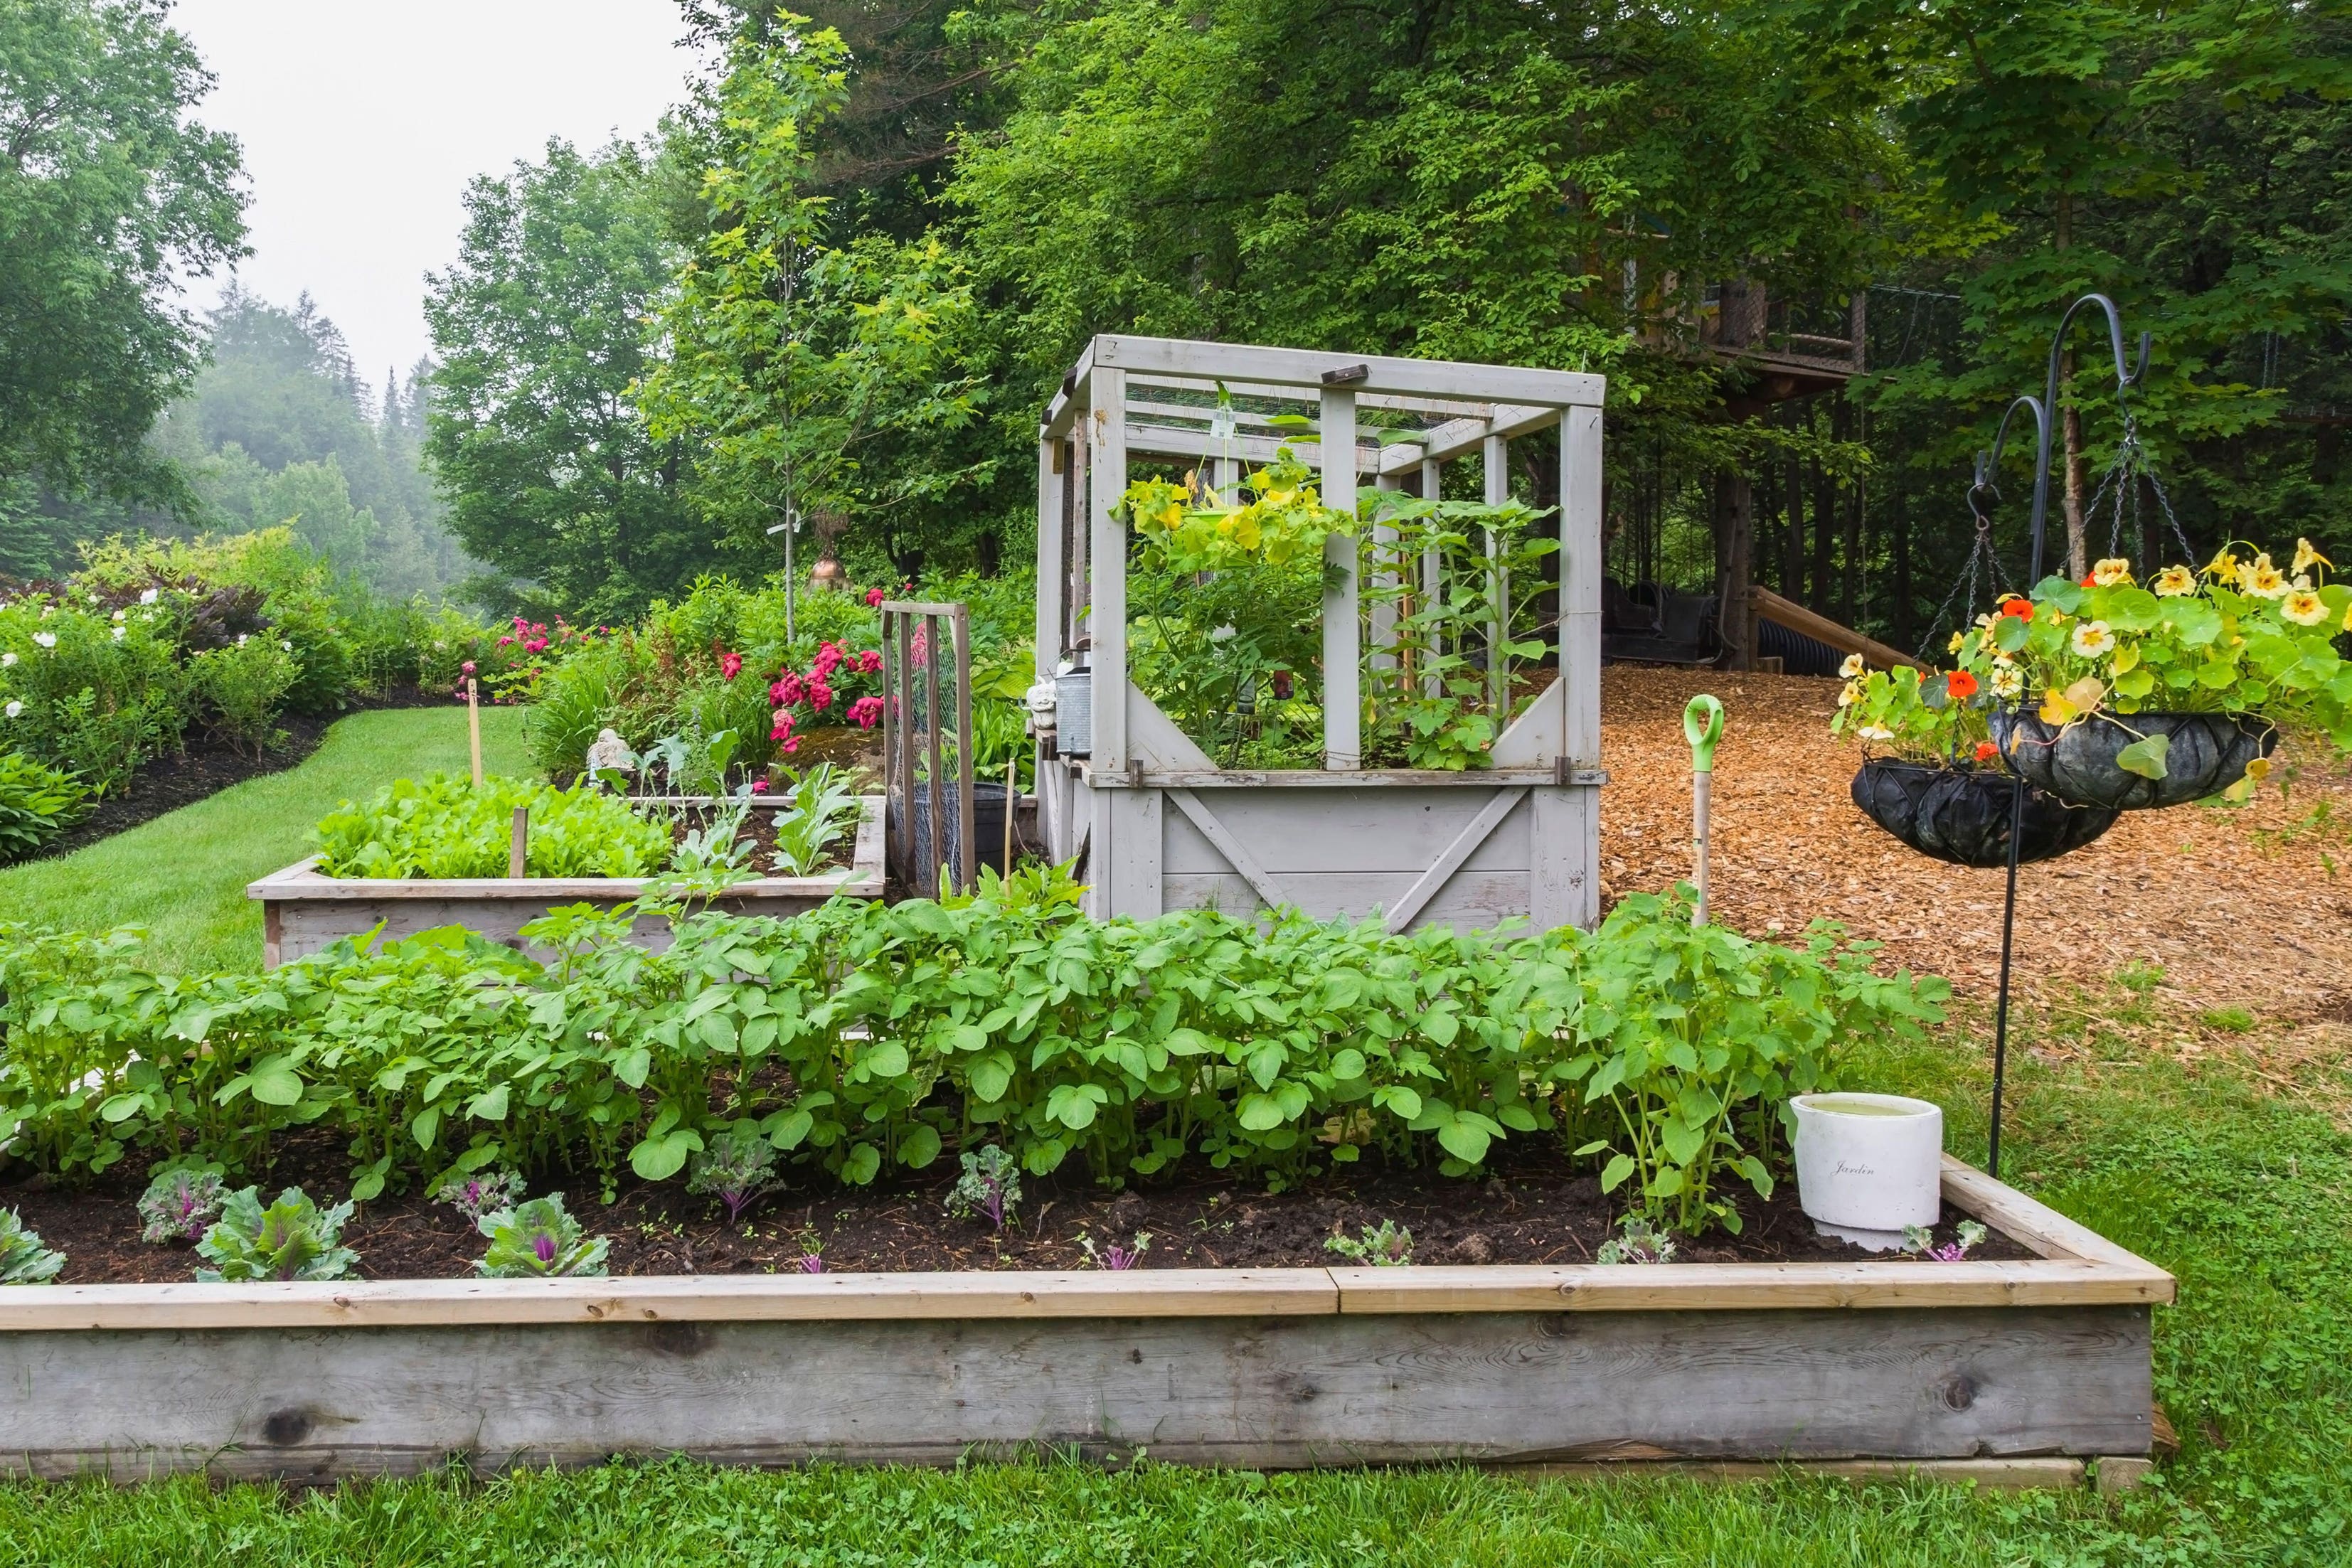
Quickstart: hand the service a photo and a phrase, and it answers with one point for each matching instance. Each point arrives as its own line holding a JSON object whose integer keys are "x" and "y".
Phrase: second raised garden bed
{"x": 2025, "y": 1368}
{"x": 303, "y": 911}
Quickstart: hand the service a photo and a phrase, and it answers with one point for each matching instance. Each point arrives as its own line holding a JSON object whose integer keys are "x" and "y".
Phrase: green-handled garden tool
{"x": 1701, "y": 727}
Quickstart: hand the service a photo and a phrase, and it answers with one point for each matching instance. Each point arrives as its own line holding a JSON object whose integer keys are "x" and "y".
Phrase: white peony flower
{"x": 287, "y": 646}
{"x": 149, "y": 596}
{"x": 241, "y": 637}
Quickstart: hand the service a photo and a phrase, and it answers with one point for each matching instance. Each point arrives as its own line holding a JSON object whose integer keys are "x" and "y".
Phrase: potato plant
{"x": 861, "y": 1038}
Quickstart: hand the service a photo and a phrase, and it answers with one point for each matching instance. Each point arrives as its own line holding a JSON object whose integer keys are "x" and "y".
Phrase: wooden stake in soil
{"x": 474, "y": 729}
{"x": 1012, "y": 801}
{"x": 1701, "y": 727}
{"x": 518, "y": 843}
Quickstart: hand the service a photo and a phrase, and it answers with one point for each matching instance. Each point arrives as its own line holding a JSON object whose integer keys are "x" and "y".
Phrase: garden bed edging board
{"x": 1899, "y": 1361}
{"x": 303, "y": 911}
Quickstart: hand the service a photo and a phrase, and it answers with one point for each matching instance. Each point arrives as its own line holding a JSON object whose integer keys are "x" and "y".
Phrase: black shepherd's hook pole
{"x": 2043, "y": 410}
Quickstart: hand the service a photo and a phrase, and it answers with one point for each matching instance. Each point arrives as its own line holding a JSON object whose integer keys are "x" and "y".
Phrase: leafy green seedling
{"x": 1114, "y": 1256}
{"x": 1386, "y": 1246}
{"x": 989, "y": 1188}
{"x": 822, "y": 808}
{"x": 1919, "y": 1242}
{"x": 181, "y": 1203}
{"x": 292, "y": 1239}
{"x": 537, "y": 1240}
{"x": 23, "y": 1259}
{"x": 474, "y": 1194}
{"x": 1641, "y": 1243}
{"x": 736, "y": 1167}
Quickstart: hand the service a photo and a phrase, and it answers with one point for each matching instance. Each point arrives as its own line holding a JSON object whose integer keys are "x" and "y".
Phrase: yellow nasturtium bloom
{"x": 2092, "y": 639}
{"x": 2304, "y": 608}
{"x": 2175, "y": 581}
{"x": 2111, "y": 571}
{"x": 2305, "y": 558}
{"x": 2262, "y": 578}
{"x": 2223, "y": 566}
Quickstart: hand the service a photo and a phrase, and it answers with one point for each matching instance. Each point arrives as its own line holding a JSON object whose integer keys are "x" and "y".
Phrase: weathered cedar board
{"x": 1266, "y": 1392}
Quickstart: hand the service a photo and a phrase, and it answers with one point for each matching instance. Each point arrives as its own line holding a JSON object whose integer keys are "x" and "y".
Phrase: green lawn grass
{"x": 2241, "y": 1194}
{"x": 182, "y": 876}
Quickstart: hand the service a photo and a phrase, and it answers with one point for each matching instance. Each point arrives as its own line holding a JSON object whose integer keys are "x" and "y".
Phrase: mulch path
{"x": 2241, "y": 909}
{"x": 205, "y": 766}
{"x": 1526, "y": 1212}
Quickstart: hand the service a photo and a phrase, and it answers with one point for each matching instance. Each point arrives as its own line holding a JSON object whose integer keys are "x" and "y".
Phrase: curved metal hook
{"x": 2124, "y": 378}
{"x": 1988, "y": 462}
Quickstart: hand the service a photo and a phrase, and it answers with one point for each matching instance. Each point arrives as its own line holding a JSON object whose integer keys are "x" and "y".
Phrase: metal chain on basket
{"x": 2131, "y": 462}
{"x": 1982, "y": 558}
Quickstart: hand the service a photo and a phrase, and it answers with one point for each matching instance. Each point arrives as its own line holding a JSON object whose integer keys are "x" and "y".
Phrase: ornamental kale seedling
{"x": 1114, "y": 1256}
{"x": 476, "y": 1194}
{"x": 736, "y": 1167}
{"x": 1389, "y": 1246}
{"x": 291, "y": 1240}
{"x": 537, "y": 1240}
{"x": 23, "y": 1259}
{"x": 989, "y": 1186}
{"x": 181, "y": 1203}
{"x": 1918, "y": 1241}
{"x": 1641, "y": 1243}
{"x": 812, "y": 1255}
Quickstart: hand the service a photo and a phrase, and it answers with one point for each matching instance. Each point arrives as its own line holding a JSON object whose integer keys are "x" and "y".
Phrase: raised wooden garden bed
{"x": 303, "y": 911}
{"x": 1906, "y": 1362}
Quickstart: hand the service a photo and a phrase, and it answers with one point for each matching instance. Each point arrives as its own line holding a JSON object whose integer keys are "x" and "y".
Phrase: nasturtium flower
{"x": 1876, "y": 732}
{"x": 2305, "y": 558}
{"x": 2021, "y": 608}
{"x": 2092, "y": 639}
{"x": 1986, "y": 751}
{"x": 2303, "y": 607}
{"x": 2223, "y": 567}
{"x": 1959, "y": 639}
{"x": 2008, "y": 681}
{"x": 1851, "y": 694}
{"x": 2111, "y": 571}
{"x": 1852, "y": 667}
{"x": 2175, "y": 581}
{"x": 2262, "y": 578}
{"x": 1961, "y": 684}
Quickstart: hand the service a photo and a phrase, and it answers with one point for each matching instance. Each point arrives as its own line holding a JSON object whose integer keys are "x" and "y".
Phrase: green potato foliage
{"x": 861, "y": 1038}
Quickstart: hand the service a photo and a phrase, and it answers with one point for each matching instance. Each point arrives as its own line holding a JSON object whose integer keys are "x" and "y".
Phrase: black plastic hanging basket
{"x": 2204, "y": 754}
{"x": 1961, "y": 814}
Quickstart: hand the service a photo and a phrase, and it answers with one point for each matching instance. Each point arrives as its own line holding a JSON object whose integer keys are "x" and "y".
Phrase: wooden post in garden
{"x": 474, "y": 728}
{"x": 518, "y": 843}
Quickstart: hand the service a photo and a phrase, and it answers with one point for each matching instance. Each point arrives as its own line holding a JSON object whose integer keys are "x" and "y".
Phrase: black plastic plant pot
{"x": 1961, "y": 814}
{"x": 2204, "y": 754}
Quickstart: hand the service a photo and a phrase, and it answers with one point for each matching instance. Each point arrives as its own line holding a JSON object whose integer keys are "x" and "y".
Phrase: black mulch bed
{"x": 1527, "y": 1212}
{"x": 208, "y": 766}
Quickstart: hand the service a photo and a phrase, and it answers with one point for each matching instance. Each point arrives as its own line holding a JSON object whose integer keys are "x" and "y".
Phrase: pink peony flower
{"x": 865, "y": 711}
{"x": 820, "y": 696}
{"x": 869, "y": 661}
{"x": 730, "y": 665}
{"x": 786, "y": 691}
{"x": 759, "y": 786}
{"x": 792, "y": 746}
{"x": 504, "y": 641}
{"x": 467, "y": 667}
{"x": 783, "y": 726}
{"x": 873, "y": 598}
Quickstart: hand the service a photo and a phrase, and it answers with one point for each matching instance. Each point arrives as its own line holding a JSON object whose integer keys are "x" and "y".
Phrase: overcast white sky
{"x": 362, "y": 121}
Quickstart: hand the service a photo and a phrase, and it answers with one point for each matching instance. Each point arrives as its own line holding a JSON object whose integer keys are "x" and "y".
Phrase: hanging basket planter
{"x": 2086, "y": 763}
{"x": 1961, "y": 815}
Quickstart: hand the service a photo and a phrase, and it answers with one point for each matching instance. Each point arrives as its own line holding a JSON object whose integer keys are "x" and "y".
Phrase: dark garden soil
{"x": 1526, "y": 1212}
{"x": 209, "y": 765}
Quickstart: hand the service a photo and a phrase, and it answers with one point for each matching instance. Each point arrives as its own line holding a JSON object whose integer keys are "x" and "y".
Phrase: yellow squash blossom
{"x": 2175, "y": 581}
{"x": 2304, "y": 608}
{"x": 2111, "y": 571}
{"x": 2262, "y": 578}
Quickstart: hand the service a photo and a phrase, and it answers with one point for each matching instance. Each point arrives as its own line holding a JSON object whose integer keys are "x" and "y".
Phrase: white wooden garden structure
{"x": 1158, "y": 824}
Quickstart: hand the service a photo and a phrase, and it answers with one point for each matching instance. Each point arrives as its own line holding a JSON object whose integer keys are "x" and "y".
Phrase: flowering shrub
{"x": 2244, "y": 636}
{"x": 861, "y": 1036}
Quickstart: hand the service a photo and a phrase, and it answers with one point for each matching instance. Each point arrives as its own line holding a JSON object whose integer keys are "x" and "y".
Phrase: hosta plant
{"x": 292, "y": 1239}
{"x": 37, "y": 803}
{"x": 2245, "y": 636}
{"x": 181, "y": 1203}
{"x": 538, "y": 1240}
{"x": 23, "y": 1259}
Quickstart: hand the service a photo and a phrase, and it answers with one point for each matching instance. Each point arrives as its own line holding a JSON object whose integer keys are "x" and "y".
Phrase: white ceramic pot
{"x": 1869, "y": 1164}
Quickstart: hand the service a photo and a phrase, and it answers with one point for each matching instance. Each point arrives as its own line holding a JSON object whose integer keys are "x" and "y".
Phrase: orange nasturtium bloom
{"x": 1961, "y": 684}
{"x": 1986, "y": 751}
{"x": 2021, "y": 608}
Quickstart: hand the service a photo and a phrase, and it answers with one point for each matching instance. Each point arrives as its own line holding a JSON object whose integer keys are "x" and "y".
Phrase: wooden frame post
{"x": 1494, "y": 457}
{"x": 1107, "y": 527}
{"x": 1433, "y": 579}
{"x": 1581, "y": 568}
{"x": 1343, "y": 714}
{"x": 1053, "y": 578}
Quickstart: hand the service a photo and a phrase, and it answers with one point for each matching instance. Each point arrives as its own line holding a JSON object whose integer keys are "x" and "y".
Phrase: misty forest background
{"x": 846, "y": 272}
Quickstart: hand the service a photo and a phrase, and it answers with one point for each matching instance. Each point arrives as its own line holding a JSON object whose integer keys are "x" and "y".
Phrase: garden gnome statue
{"x": 609, "y": 750}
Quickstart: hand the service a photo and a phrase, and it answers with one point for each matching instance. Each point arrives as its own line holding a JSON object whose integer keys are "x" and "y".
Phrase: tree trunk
{"x": 1792, "y": 543}
{"x": 1849, "y": 578}
{"x": 1735, "y": 545}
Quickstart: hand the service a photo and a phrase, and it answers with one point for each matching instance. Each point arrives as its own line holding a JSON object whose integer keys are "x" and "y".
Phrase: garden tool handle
{"x": 1701, "y": 727}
